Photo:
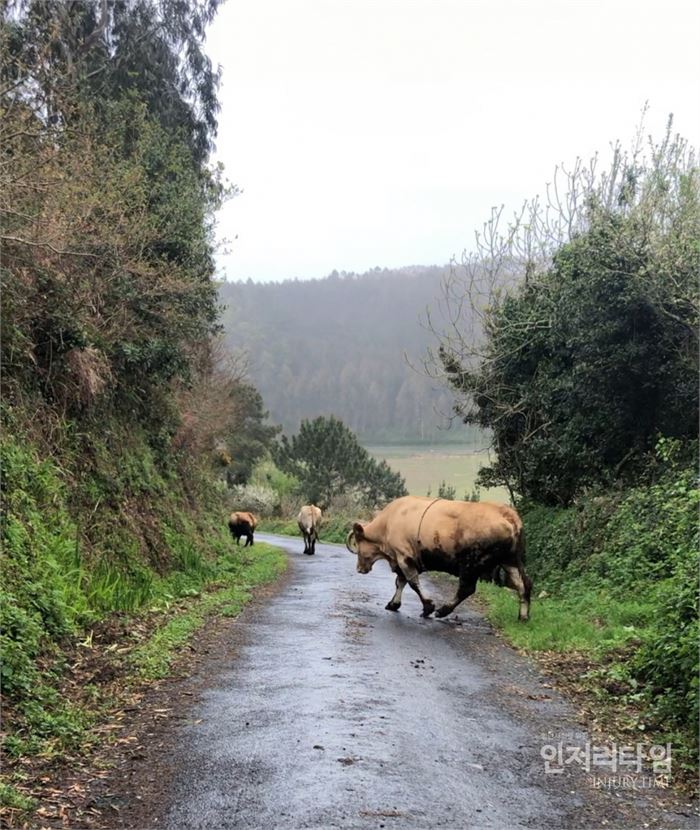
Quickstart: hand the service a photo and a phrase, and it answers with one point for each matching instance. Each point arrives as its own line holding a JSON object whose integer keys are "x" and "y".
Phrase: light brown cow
{"x": 242, "y": 524}
{"x": 465, "y": 539}
{"x": 309, "y": 521}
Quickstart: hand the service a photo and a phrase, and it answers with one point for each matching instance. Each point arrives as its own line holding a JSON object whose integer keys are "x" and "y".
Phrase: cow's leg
{"x": 411, "y": 575}
{"x": 395, "y": 602}
{"x": 517, "y": 578}
{"x": 466, "y": 587}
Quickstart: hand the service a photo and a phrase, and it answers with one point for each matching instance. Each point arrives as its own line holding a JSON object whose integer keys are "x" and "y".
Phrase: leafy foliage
{"x": 95, "y": 301}
{"x": 252, "y": 437}
{"x": 116, "y": 410}
{"x": 586, "y": 362}
{"x": 447, "y": 491}
{"x": 97, "y": 50}
{"x": 619, "y": 574}
{"x": 327, "y": 459}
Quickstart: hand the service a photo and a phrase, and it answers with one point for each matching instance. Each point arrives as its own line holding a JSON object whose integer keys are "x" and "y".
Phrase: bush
{"x": 592, "y": 351}
{"x": 626, "y": 564}
{"x": 667, "y": 661}
{"x": 262, "y": 501}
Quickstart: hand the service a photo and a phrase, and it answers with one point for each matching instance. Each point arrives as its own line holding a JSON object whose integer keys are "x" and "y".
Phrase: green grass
{"x": 118, "y": 538}
{"x": 12, "y": 799}
{"x": 237, "y": 579}
{"x": 619, "y": 572}
{"x": 48, "y": 725}
{"x": 590, "y": 621}
{"x": 425, "y": 466}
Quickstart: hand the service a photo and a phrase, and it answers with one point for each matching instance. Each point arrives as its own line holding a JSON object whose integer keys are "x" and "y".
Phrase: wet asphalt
{"x": 336, "y": 713}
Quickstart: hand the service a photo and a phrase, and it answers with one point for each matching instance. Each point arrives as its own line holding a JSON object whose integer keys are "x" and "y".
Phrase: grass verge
{"x": 114, "y": 661}
{"x": 226, "y": 597}
{"x": 589, "y": 645}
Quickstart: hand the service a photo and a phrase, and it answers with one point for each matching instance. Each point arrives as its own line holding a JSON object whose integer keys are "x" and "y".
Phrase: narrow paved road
{"x": 337, "y": 713}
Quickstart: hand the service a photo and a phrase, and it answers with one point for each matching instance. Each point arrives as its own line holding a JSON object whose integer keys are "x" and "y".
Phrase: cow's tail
{"x": 520, "y": 546}
{"x": 498, "y": 575}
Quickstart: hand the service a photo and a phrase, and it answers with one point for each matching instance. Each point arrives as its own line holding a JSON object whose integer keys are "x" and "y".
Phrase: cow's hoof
{"x": 443, "y": 611}
{"x": 428, "y": 608}
{"x": 309, "y": 552}
{"x": 392, "y": 606}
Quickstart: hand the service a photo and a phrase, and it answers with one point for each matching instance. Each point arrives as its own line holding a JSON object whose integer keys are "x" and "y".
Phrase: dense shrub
{"x": 591, "y": 352}
{"x": 255, "y": 498}
{"x": 633, "y": 557}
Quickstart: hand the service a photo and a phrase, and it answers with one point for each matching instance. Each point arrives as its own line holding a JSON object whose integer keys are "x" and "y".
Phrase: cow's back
{"x": 462, "y": 525}
{"x": 422, "y": 523}
{"x": 240, "y": 517}
{"x": 309, "y": 517}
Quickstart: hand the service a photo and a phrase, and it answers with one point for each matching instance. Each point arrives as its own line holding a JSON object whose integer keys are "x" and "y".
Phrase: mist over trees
{"x": 336, "y": 346}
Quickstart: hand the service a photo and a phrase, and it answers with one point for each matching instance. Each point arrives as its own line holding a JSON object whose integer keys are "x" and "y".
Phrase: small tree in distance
{"x": 328, "y": 460}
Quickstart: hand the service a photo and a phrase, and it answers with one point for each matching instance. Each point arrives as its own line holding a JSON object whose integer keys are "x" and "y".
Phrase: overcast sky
{"x": 381, "y": 132}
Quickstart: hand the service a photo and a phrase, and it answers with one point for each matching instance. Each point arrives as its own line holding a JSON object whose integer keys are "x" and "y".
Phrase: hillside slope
{"x": 342, "y": 345}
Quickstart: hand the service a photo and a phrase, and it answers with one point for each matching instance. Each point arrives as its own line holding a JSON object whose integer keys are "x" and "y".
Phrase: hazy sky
{"x": 381, "y": 132}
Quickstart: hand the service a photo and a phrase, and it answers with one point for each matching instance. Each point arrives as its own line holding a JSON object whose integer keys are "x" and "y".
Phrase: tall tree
{"x": 591, "y": 356}
{"x": 107, "y": 203}
{"x": 60, "y": 52}
{"x": 327, "y": 459}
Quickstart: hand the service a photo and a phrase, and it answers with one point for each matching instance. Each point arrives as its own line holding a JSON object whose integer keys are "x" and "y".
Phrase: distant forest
{"x": 337, "y": 346}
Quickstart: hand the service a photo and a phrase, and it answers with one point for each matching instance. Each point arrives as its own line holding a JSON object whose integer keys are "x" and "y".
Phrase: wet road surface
{"x": 337, "y": 713}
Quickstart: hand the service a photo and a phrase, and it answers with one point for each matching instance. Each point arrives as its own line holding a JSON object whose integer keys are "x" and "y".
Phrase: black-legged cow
{"x": 240, "y": 524}
{"x": 309, "y": 521}
{"x": 465, "y": 539}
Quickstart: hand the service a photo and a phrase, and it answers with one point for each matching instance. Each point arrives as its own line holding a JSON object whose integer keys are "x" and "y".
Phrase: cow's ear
{"x": 359, "y": 531}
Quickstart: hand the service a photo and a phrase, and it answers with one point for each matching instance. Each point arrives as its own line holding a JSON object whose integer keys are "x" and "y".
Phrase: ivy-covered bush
{"x": 634, "y": 556}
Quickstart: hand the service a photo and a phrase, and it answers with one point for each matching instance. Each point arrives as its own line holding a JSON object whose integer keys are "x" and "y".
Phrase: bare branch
{"x": 48, "y": 246}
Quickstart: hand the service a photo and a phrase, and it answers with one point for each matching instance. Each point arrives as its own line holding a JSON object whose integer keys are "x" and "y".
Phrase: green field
{"x": 425, "y": 466}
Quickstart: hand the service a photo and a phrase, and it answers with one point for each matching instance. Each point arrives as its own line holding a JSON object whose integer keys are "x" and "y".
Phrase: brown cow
{"x": 309, "y": 521}
{"x": 465, "y": 539}
{"x": 242, "y": 524}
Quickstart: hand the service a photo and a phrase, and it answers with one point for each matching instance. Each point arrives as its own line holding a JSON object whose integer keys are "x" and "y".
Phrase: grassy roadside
{"x": 239, "y": 574}
{"x": 590, "y": 647}
{"x": 112, "y": 662}
{"x": 615, "y": 611}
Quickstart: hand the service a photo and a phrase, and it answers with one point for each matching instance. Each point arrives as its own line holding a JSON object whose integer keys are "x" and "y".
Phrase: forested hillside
{"x": 342, "y": 346}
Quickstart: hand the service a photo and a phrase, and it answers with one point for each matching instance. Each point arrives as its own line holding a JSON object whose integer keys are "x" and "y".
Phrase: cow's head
{"x": 368, "y": 552}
